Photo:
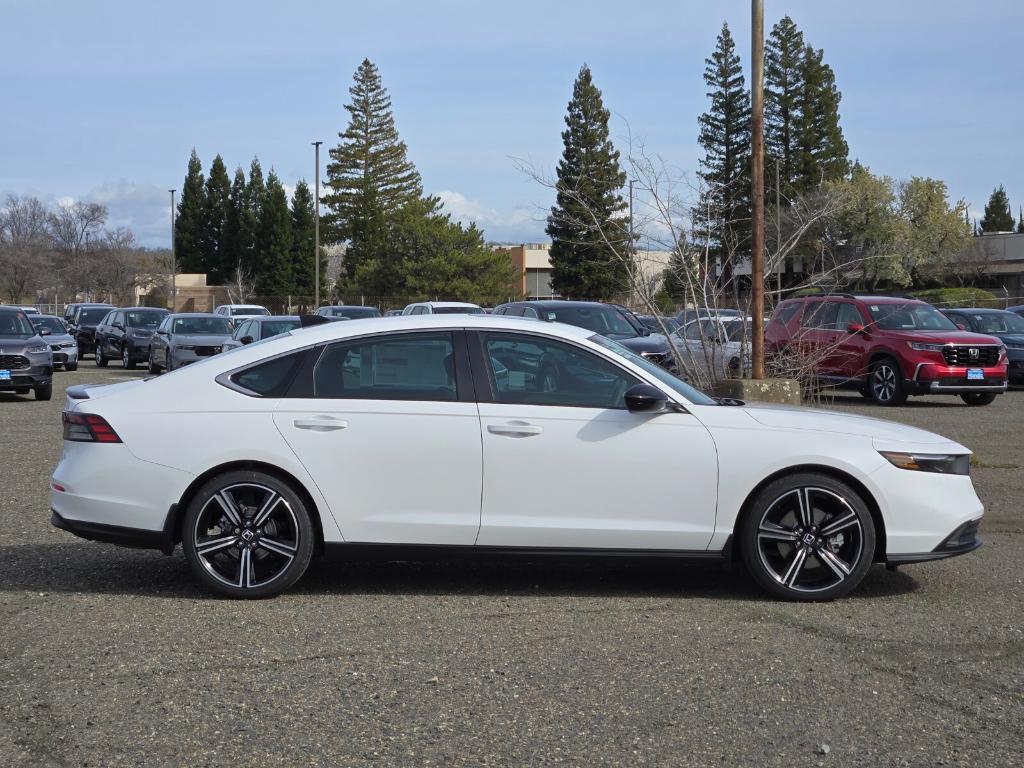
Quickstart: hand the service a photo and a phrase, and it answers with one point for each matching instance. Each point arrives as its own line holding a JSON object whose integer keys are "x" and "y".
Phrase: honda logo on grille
{"x": 974, "y": 352}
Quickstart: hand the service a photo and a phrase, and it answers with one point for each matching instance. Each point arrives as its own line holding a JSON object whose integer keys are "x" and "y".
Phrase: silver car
{"x": 26, "y": 361}
{"x": 62, "y": 343}
{"x": 186, "y": 337}
{"x": 715, "y": 347}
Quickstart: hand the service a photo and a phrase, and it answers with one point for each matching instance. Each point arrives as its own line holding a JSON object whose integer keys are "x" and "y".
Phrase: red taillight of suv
{"x": 88, "y": 428}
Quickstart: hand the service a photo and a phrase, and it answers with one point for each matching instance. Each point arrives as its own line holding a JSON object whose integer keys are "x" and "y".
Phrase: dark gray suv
{"x": 26, "y": 361}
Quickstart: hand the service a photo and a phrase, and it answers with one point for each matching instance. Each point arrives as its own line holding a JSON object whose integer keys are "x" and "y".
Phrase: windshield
{"x": 52, "y": 324}
{"x": 147, "y": 320}
{"x": 607, "y": 321}
{"x": 695, "y": 396}
{"x": 201, "y": 325}
{"x": 274, "y": 327}
{"x": 15, "y": 324}
{"x": 735, "y": 331}
{"x": 249, "y": 311}
{"x": 458, "y": 311}
{"x": 92, "y": 314}
{"x": 909, "y": 317}
{"x": 998, "y": 322}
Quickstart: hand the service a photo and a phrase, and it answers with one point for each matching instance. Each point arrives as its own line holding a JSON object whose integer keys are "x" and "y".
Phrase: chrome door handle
{"x": 514, "y": 429}
{"x": 320, "y": 424}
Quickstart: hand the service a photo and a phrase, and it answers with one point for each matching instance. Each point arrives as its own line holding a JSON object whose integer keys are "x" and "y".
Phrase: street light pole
{"x": 316, "y": 228}
{"x": 174, "y": 262}
{"x": 757, "y": 186}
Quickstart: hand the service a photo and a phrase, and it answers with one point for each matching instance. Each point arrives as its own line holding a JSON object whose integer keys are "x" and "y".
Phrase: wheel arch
{"x": 833, "y": 472}
{"x": 176, "y": 516}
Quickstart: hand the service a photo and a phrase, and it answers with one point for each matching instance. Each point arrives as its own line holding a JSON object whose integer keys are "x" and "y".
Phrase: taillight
{"x": 88, "y": 428}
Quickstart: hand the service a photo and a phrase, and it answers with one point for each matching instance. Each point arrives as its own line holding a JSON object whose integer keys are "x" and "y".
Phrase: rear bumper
{"x": 962, "y": 540}
{"x": 111, "y": 534}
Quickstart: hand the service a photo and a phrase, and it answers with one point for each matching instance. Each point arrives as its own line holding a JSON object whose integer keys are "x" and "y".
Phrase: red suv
{"x": 888, "y": 347}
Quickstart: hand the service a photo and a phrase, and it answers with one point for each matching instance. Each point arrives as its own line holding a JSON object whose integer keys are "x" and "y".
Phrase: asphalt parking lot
{"x": 111, "y": 656}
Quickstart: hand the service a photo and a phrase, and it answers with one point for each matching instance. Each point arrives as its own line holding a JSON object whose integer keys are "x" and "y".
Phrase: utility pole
{"x": 174, "y": 261}
{"x": 316, "y": 228}
{"x": 757, "y": 185}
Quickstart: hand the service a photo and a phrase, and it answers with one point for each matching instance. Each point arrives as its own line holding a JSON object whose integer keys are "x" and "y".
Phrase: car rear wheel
{"x": 886, "y": 383}
{"x": 101, "y": 360}
{"x": 808, "y": 537}
{"x": 153, "y": 367}
{"x": 127, "y": 359}
{"x": 978, "y": 398}
{"x": 248, "y": 535}
{"x": 44, "y": 391}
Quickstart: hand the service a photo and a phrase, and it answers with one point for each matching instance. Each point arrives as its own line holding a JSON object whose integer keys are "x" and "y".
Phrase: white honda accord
{"x": 404, "y": 437}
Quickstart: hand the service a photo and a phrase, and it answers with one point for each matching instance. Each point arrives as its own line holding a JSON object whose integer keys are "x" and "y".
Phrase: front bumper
{"x": 33, "y": 376}
{"x": 934, "y": 379}
{"x": 65, "y": 355}
{"x": 962, "y": 540}
{"x": 186, "y": 356}
{"x": 86, "y": 342}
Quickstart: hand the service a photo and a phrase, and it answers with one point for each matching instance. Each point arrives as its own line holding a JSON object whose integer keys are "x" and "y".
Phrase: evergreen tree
{"x": 1020, "y": 221}
{"x": 235, "y": 249}
{"x": 369, "y": 176}
{"x": 304, "y": 243}
{"x": 274, "y": 241}
{"x": 250, "y": 243}
{"x": 725, "y": 138}
{"x": 822, "y": 152}
{"x": 783, "y": 75}
{"x": 998, "y": 217}
{"x": 216, "y": 209}
{"x": 588, "y": 207}
{"x": 190, "y": 222}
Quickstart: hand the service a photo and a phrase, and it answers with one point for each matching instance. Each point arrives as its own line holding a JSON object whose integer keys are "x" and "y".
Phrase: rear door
{"x": 388, "y": 429}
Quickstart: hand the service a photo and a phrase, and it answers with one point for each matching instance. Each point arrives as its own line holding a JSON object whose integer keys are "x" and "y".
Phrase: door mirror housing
{"x": 119, "y": 326}
{"x": 43, "y": 331}
{"x": 855, "y": 328}
{"x": 643, "y": 398}
{"x": 247, "y": 339}
{"x": 962, "y": 326}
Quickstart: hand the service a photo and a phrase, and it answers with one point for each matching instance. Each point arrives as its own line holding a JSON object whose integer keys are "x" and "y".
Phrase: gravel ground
{"x": 111, "y": 656}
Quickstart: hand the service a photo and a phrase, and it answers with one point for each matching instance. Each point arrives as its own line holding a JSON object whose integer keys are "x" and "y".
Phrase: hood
{"x": 58, "y": 338}
{"x": 941, "y": 337}
{"x": 1010, "y": 338}
{"x": 200, "y": 339}
{"x": 790, "y": 417}
{"x": 10, "y": 345}
{"x": 656, "y": 342}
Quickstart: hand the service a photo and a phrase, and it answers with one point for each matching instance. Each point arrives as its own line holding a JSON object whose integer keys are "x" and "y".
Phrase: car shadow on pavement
{"x": 86, "y": 568}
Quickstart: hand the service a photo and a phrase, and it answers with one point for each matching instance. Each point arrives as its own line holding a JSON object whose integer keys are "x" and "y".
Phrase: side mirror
{"x": 119, "y": 326}
{"x": 43, "y": 331}
{"x": 961, "y": 326}
{"x": 855, "y": 328}
{"x": 246, "y": 339}
{"x": 644, "y": 330}
{"x": 643, "y": 398}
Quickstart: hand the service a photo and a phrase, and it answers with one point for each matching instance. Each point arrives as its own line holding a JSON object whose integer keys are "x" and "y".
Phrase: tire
{"x": 886, "y": 383}
{"x": 170, "y": 361}
{"x": 70, "y": 366}
{"x": 777, "y": 537}
{"x": 127, "y": 359}
{"x": 44, "y": 391}
{"x": 978, "y": 398}
{"x": 101, "y": 360}
{"x": 222, "y": 534}
{"x": 153, "y": 367}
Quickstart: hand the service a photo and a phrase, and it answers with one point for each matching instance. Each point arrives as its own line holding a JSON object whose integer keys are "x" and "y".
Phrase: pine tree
{"x": 1020, "y": 221}
{"x": 304, "y": 243}
{"x": 216, "y": 208}
{"x": 588, "y": 207}
{"x": 725, "y": 138}
{"x": 190, "y": 222}
{"x": 235, "y": 250}
{"x": 250, "y": 243}
{"x": 369, "y": 176}
{"x": 783, "y": 74}
{"x": 822, "y": 152}
{"x": 274, "y": 277}
{"x": 998, "y": 217}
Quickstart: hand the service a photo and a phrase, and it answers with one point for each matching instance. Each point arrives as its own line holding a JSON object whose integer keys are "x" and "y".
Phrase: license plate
{"x": 5, "y": 375}
{"x": 975, "y": 374}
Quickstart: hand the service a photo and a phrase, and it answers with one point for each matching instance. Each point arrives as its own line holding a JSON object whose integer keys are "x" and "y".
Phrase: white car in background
{"x": 719, "y": 346}
{"x": 238, "y": 312}
{"x": 495, "y": 435}
{"x": 443, "y": 308}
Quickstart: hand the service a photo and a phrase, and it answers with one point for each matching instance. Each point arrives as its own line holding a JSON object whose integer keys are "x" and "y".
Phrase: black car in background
{"x": 125, "y": 335}
{"x": 1006, "y": 326}
{"x": 83, "y": 324}
{"x": 609, "y": 320}
{"x": 655, "y": 323}
{"x": 260, "y": 328}
{"x": 349, "y": 311}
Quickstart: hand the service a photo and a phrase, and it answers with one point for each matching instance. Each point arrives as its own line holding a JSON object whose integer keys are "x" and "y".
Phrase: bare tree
{"x": 118, "y": 265}
{"x": 25, "y": 254}
{"x": 74, "y": 228}
{"x": 241, "y": 286}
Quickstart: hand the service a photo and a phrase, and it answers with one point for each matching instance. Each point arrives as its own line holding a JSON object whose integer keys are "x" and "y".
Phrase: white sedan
{"x": 493, "y": 435}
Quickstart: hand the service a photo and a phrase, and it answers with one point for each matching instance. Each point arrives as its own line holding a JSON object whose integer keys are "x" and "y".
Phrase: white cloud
{"x": 521, "y": 224}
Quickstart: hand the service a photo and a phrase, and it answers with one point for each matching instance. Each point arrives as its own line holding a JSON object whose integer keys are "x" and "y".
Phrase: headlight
{"x": 35, "y": 350}
{"x": 922, "y": 346}
{"x": 67, "y": 344}
{"x": 940, "y": 463}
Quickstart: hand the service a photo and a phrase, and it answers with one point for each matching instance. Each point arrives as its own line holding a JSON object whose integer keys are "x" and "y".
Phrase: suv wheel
{"x": 153, "y": 367}
{"x": 101, "y": 360}
{"x": 808, "y": 537}
{"x": 71, "y": 366}
{"x": 247, "y": 534}
{"x": 886, "y": 382}
{"x": 44, "y": 391}
{"x": 978, "y": 398}
{"x": 127, "y": 358}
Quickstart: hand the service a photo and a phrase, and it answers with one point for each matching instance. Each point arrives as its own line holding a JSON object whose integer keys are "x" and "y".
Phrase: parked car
{"x": 235, "y": 312}
{"x": 83, "y": 324}
{"x": 888, "y": 347}
{"x": 349, "y": 311}
{"x": 687, "y": 315}
{"x": 442, "y": 308}
{"x": 26, "y": 361}
{"x": 719, "y": 346}
{"x": 1018, "y": 310}
{"x": 393, "y": 313}
{"x": 1006, "y": 326}
{"x": 327, "y": 440}
{"x": 62, "y": 344}
{"x": 186, "y": 337}
{"x": 125, "y": 335}
{"x": 614, "y": 322}
{"x": 260, "y": 328}
{"x": 659, "y": 323}
{"x": 30, "y": 310}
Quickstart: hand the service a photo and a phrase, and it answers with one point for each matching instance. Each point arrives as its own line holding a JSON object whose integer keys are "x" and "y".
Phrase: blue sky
{"x": 105, "y": 100}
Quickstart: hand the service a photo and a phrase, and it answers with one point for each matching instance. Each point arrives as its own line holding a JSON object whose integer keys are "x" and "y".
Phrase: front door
{"x": 390, "y": 434}
{"x": 566, "y": 465}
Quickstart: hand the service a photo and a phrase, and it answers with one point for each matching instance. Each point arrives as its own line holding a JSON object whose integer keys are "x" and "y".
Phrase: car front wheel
{"x": 153, "y": 367}
{"x": 248, "y": 535}
{"x": 127, "y": 358}
{"x": 886, "y": 383}
{"x": 808, "y": 537}
{"x": 44, "y": 391}
{"x": 101, "y": 360}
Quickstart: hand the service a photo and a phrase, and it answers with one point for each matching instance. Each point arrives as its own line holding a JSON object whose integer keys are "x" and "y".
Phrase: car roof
{"x": 979, "y": 310}
{"x": 11, "y": 308}
{"x": 193, "y": 314}
{"x": 562, "y": 303}
{"x": 353, "y": 306}
{"x": 446, "y": 303}
{"x": 270, "y": 318}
